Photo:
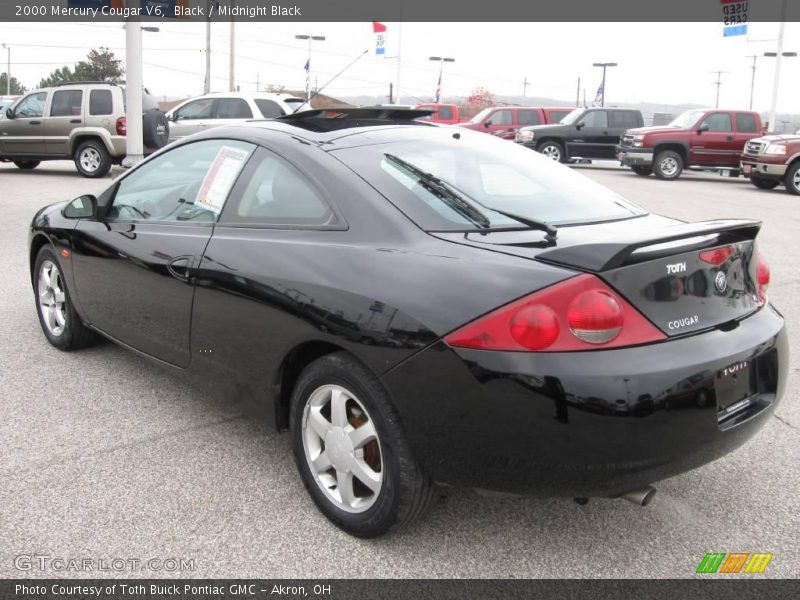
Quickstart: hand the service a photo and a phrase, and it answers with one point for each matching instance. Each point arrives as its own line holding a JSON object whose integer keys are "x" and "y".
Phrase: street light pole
{"x": 779, "y": 52}
{"x": 207, "y": 82}
{"x": 603, "y": 84}
{"x": 310, "y": 38}
{"x": 8, "y": 70}
{"x": 441, "y": 61}
{"x": 752, "y": 79}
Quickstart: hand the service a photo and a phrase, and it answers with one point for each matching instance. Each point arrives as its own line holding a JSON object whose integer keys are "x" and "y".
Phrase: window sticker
{"x": 220, "y": 178}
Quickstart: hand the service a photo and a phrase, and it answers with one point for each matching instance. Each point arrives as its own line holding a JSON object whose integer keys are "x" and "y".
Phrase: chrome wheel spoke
{"x": 52, "y": 298}
{"x": 338, "y": 408}
{"x": 363, "y": 434}
{"x": 322, "y": 463}
{"x": 58, "y": 296}
{"x": 344, "y": 485}
{"x": 363, "y": 472}
{"x": 318, "y": 423}
{"x": 50, "y": 316}
{"x": 59, "y": 315}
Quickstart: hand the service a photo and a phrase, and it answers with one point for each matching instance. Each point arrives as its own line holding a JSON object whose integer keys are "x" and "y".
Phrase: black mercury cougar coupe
{"x": 419, "y": 304}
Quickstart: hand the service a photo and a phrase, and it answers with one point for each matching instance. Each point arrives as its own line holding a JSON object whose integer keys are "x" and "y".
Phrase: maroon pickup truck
{"x": 705, "y": 139}
{"x": 772, "y": 160}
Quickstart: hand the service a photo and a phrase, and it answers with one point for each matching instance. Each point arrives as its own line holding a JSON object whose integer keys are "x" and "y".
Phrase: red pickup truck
{"x": 504, "y": 121}
{"x": 705, "y": 139}
{"x": 446, "y": 114}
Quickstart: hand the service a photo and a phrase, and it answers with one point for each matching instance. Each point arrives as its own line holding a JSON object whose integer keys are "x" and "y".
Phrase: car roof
{"x": 267, "y": 95}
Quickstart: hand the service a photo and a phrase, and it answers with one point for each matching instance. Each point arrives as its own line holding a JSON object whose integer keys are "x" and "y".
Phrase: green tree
{"x": 16, "y": 87}
{"x": 100, "y": 65}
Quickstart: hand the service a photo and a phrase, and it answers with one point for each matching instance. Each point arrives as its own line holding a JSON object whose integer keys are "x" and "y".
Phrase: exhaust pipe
{"x": 641, "y": 497}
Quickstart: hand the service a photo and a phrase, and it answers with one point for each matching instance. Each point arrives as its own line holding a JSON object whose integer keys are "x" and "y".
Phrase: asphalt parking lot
{"x": 104, "y": 455}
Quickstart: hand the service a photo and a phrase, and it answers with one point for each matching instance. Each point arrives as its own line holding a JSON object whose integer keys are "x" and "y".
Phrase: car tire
{"x": 792, "y": 179}
{"x": 552, "y": 150}
{"x": 27, "y": 165}
{"x": 333, "y": 399}
{"x": 643, "y": 171}
{"x": 92, "y": 159}
{"x": 61, "y": 325}
{"x": 763, "y": 184}
{"x": 155, "y": 129}
{"x": 668, "y": 165}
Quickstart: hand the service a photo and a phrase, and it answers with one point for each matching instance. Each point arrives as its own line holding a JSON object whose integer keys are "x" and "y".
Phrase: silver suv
{"x": 82, "y": 121}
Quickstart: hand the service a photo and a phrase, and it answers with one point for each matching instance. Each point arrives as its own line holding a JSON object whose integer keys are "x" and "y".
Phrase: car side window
{"x": 746, "y": 123}
{"x": 720, "y": 122}
{"x": 232, "y": 108}
{"x": 171, "y": 186}
{"x": 269, "y": 108}
{"x": 501, "y": 117}
{"x": 445, "y": 113}
{"x": 199, "y": 109}
{"x": 527, "y": 117}
{"x": 624, "y": 119}
{"x": 277, "y": 194}
{"x": 100, "y": 102}
{"x": 31, "y": 106}
{"x": 595, "y": 118}
{"x": 66, "y": 103}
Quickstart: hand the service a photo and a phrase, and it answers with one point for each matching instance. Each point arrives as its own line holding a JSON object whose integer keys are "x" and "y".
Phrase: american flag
{"x": 308, "y": 77}
{"x": 598, "y": 98}
{"x": 439, "y": 89}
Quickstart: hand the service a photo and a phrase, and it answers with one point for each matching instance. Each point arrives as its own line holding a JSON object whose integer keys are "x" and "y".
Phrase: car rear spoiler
{"x": 605, "y": 254}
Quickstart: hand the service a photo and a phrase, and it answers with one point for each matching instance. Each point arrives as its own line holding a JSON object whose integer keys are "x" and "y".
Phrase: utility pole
{"x": 134, "y": 144}
{"x": 399, "y": 55}
{"x": 525, "y": 87}
{"x": 8, "y": 70}
{"x": 718, "y": 83}
{"x": 752, "y": 78}
{"x": 779, "y": 52}
{"x": 391, "y": 93}
{"x": 232, "y": 51}
{"x": 207, "y": 82}
{"x": 578, "y": 93}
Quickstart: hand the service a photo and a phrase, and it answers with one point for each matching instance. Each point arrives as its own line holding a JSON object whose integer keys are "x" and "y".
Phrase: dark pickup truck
{"x": 583, "y": 133}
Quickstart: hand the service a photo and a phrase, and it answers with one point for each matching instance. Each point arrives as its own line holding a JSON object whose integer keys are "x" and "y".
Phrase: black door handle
{"x": 179, "y": 267}
{"x": 75, "y": 121}
{"x": 34, "y": 122}
{"x": 729, "y": 138}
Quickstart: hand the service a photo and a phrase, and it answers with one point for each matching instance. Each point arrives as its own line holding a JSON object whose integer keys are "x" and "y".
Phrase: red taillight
{"x": 581, "y": 313}
{"x": 717, "y": 256}
{"x": 122, "y": 126}
{"x": 595, "y": 317}
{"x": 763, "y": 279}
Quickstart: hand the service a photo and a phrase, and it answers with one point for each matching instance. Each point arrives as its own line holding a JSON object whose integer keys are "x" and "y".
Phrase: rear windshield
{"x": 487, "y": 172}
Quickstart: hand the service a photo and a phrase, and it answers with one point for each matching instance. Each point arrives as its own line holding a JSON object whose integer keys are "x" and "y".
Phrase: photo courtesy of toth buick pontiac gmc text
{"x": 420, "y": 305}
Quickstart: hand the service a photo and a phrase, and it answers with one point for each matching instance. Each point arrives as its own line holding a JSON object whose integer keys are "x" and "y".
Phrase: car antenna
{"x": 314, "y": 95}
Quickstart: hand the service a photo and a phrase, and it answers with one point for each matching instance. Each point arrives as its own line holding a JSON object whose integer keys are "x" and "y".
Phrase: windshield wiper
{"x": 447, "y": 191}
{"x": 439, "y": 189}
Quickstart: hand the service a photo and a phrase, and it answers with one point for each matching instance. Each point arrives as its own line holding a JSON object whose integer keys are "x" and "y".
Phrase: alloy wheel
{"x": 669, "y": 166}
{"x": 796, "y": 180}
{"x": 342, "y": 448}
{"x": 552, "y": 152}
{"x": 52, "y": 299}
{"x": 90, "y": 159}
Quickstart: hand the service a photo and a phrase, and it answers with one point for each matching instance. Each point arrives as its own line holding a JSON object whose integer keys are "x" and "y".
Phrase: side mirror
{"x": 579, "y": 126}
{"x": 83, "y": 207}
{"x": 487, "y": 123}
{"x": 703, "y": 127}
{"x": 172, "y": 117}
{"x": 9, "y": 113}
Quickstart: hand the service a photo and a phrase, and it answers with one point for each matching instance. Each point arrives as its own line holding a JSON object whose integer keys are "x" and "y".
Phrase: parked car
{"x": 583, "y": 133}
{"x": 336, "y": 288}
{"x": 82, "y": 121}
{"x": 228, "y": 108}
{"x": 445, "y": 114}
{"x": 504, "y": 121}
{"x": 705, "y": 139}
{"x": 772, "y": 160}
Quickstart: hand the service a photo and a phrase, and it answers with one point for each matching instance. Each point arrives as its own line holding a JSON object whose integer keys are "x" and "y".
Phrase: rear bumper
{"x": 631, "y": 157}
{"x": 585, "y": 424}
{"x": 762, "y": 169}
